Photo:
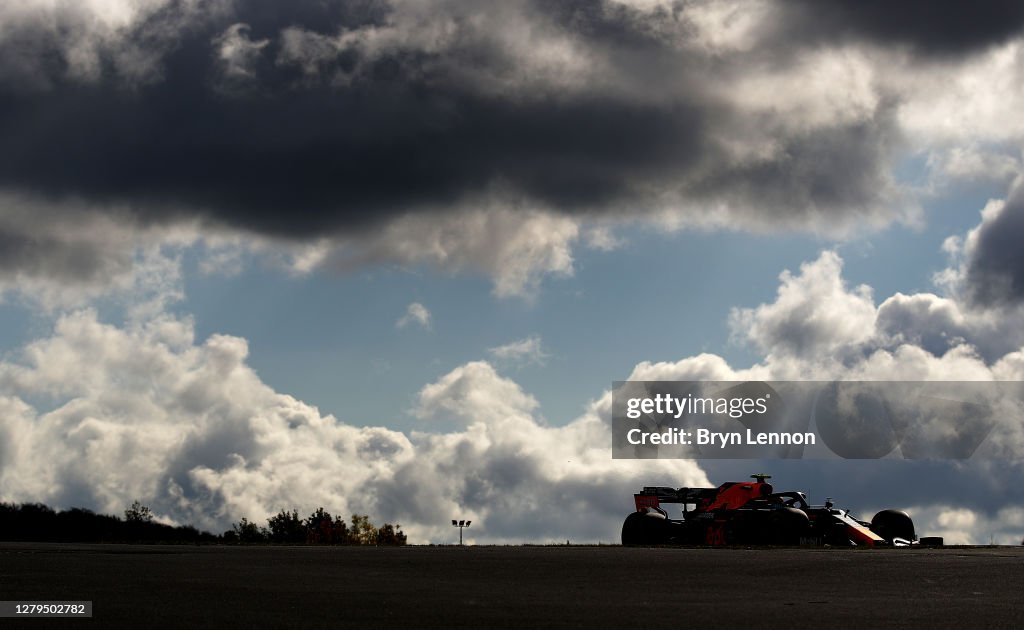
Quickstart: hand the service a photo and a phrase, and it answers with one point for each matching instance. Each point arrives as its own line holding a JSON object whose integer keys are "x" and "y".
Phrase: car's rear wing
{"x": 653, "y": 496}
{"x": 730, "y": 495}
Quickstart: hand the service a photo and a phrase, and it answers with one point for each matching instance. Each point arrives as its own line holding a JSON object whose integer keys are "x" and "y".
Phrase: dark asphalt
{"x": 520, "y": 587}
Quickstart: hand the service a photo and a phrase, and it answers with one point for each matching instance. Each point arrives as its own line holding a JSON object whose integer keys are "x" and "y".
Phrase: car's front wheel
{"x": 890, "y": 524}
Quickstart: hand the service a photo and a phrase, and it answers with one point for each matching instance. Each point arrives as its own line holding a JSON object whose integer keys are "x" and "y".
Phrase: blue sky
{"x": 331, "y": 340}
{"x": 389, "y": 257}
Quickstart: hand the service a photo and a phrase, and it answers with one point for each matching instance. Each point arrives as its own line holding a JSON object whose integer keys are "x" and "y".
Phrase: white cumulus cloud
{"x": 415, "y": 313}
{"x": 528, "y": 350}
{"x": 97, "y": 415}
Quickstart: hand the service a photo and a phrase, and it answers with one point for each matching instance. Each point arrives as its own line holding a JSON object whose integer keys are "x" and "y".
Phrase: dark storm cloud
{"x": 611, "y": 23}
{"x": 995, "y": 259}
{"x": 818, "y": 171}
{"x": 290, "y": 158}
{"x": 306, "y": 161}
{"x": 260, "y": 116}
{"x": 947, "y": 27}
{"x": 45, "y": 255}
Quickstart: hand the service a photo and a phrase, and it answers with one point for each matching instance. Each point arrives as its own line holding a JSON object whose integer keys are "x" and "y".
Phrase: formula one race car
{"x": 752, "y": 513}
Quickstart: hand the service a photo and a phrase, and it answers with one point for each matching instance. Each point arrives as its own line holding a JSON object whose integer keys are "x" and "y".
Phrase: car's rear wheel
{"x": 644, "y": 528}
{"x": 787, "y": 525}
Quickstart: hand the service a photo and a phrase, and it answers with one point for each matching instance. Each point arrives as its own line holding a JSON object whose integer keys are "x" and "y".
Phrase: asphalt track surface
{"x": 518, "y": 587}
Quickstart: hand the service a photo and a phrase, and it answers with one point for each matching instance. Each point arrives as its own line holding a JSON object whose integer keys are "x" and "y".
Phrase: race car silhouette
{"x": 752, "y": 513}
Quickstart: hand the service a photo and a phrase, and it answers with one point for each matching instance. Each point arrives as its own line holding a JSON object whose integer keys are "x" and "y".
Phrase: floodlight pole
{"x": 461, "y": 525}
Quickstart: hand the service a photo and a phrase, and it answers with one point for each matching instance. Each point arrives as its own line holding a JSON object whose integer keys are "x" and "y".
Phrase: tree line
{"x": 319, "y": 528}
{"x": 35, "y": 522}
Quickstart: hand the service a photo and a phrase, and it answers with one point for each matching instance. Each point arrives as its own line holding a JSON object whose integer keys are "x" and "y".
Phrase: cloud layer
{"x": 146, "y": 412}
{"x": 261, "y": 123}
{"x": 352, "y": 127}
